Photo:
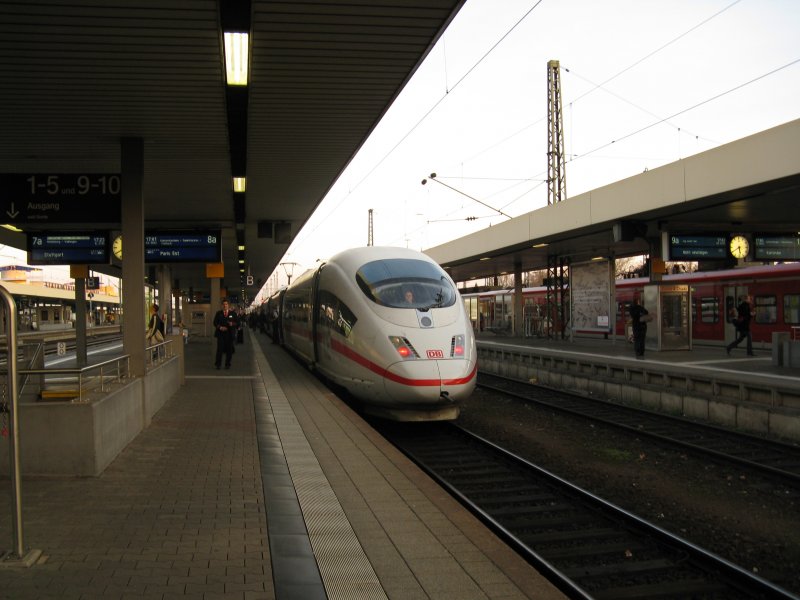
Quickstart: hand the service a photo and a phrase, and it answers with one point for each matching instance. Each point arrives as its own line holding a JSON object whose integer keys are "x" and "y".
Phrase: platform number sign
{"x": 61, "y": 197}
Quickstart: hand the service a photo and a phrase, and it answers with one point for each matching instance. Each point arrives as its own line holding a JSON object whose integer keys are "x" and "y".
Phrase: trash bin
{"x": 780, "y": 341}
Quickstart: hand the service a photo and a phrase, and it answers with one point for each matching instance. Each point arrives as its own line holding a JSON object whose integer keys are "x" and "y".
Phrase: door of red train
{"x": 734, "y": 294}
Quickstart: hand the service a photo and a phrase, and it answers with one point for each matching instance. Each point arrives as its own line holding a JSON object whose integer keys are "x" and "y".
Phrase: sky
{"x": 643, "y": 82}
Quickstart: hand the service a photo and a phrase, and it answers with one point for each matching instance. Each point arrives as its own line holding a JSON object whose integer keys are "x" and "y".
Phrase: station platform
{"x": 256, "y": 482}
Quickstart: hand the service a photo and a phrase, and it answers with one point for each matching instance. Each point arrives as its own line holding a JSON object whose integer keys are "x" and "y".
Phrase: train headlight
{"x": 457, "y": 346}
{"x": 403, "y": 347}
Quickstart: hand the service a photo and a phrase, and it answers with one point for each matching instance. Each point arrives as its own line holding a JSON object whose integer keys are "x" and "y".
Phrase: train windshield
{"x": 406, "y": 283}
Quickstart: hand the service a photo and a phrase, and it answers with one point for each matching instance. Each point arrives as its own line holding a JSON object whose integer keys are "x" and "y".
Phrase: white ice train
{"x": 388, "y": 325}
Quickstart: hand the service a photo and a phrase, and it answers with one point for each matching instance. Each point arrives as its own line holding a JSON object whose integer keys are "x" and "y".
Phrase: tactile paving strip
{"x": 344, "y": 567}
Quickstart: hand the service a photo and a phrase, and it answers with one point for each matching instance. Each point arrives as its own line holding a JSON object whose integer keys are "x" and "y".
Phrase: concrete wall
{"x": 721, "y": 400}
{"x": 82, "y": 439}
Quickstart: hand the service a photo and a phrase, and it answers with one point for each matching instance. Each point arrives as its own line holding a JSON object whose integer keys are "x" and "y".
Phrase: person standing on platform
{"x": 637, "y": 312}
{"x": 275, "y": 321}
{"x": 225, "y": 326}
{"x": 155, "y": 329}
{"x": 744, "y": 313}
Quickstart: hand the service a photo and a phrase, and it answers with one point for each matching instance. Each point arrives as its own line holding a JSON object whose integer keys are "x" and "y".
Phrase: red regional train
{"x": 775, "y": 290}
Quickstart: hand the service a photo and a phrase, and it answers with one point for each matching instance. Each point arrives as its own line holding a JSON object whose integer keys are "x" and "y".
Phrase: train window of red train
{"x": 766, "y": 308}
{"x": 709, "y": 310}
{"x": 791, "y": 309}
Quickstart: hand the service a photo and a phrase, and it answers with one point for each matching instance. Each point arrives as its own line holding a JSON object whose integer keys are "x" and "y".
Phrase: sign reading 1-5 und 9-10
{"x": 68, "y": 248}
{"x": 60, "y": 198}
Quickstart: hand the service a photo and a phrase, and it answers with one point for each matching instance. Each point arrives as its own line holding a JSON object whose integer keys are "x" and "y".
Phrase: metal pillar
{"x": 81, "y": 358}
{"x": 17, "y": 557}
{"x": 556, "y": 164}
{"x": 519, "y": 317}
{"x": 555, "y": 296}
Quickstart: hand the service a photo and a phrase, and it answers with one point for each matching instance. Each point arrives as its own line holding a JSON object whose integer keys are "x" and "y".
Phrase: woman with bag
{"x": 155, "y": 327}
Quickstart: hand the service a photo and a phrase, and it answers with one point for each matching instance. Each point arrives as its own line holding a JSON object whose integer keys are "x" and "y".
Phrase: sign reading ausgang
{"x": 60, "y": 198}
{"x": 68, "y": 248}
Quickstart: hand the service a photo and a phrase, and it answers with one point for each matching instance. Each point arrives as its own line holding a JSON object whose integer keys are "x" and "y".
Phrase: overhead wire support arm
{"x": 433, "y": 178}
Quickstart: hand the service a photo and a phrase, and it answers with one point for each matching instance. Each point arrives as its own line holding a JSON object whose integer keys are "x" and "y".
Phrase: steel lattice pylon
{"x": 556, "y": 165}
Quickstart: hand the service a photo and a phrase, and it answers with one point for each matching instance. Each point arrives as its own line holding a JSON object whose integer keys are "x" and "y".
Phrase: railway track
{"x": 773, "y": 459}
{"x": 589, "y": 547}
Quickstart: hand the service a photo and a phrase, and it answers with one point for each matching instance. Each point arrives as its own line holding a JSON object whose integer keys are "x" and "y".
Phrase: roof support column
{"x": 216, "y": 304}
{"x": 134, "y": 326}
{"x": 518, "y": 301}
{"x": 165, "y": 294}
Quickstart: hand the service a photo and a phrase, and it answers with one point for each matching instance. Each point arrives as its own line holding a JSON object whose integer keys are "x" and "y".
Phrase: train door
{"x": 315, "y": 317}
{"x": 733, "y": 295}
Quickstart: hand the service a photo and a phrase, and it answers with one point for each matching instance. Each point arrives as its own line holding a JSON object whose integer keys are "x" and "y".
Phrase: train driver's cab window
{"x": 406, "y": 283}
{"x": 791, "y": 309}
{"x": 766, "y": 309}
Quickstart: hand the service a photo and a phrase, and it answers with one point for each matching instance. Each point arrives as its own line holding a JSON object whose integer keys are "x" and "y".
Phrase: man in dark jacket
{"x": 225, "y": 325}
{"x": 744, "y": 313}
{"x": 639, "y": 325}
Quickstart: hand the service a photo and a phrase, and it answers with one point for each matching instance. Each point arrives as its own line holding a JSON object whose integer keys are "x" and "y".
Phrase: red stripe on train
{"x": 349, "y": 353}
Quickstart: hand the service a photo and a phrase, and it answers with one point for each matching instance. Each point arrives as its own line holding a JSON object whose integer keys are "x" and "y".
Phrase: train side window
{"x": 766, "y": 308}
{"x": 335, "y": 314}
{"x": 709, "y": 310}
{"x": 791, "y": 309}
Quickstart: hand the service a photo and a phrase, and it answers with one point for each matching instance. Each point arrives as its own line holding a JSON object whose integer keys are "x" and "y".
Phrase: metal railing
{"x": 96, "y": 377}
{"x": 158, "y": 352}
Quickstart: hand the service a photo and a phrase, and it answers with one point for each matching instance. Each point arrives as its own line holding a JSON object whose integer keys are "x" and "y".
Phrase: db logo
{"x": 435, "y": 354}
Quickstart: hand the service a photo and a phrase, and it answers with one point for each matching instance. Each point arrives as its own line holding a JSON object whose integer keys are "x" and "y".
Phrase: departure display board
{"x": 182, "y": 246}
{"x": 68, "y": 248}
{"x": 697, "y": 247}
{"x": 776, "y": 246}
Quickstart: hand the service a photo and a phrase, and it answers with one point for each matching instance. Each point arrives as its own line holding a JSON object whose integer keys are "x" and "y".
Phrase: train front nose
{"x": 429, "y": 382}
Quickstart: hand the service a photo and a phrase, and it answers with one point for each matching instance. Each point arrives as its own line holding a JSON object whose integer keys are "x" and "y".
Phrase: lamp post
{"x": 288, "y": 268}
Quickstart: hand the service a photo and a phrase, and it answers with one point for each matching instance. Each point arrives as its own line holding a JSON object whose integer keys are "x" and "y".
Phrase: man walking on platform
{"x": 744, "y": 313}
{"x": 225, "y": 325}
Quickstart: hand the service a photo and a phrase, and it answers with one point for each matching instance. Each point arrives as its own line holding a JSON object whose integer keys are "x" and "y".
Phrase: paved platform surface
{"x": 205, "y": 503}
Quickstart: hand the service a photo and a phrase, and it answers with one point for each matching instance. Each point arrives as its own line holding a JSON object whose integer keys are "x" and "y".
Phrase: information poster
{"x": 590, "y": 285}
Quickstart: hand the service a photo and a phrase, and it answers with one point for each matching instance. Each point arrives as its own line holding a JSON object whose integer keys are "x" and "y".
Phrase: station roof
{"x": 747, "y": 186}
{"x": 79, "y": 76}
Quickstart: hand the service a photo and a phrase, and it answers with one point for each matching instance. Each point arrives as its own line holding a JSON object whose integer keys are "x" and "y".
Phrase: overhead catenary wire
{"x": 612, "y": 78}
{"x": 427, "y": 114}
{"x": 690, "y": 108}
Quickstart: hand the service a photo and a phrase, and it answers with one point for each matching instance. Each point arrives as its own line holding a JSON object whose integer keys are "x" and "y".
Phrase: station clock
{"x": 116, "y": 248}
{"x": 739, "y": 246}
